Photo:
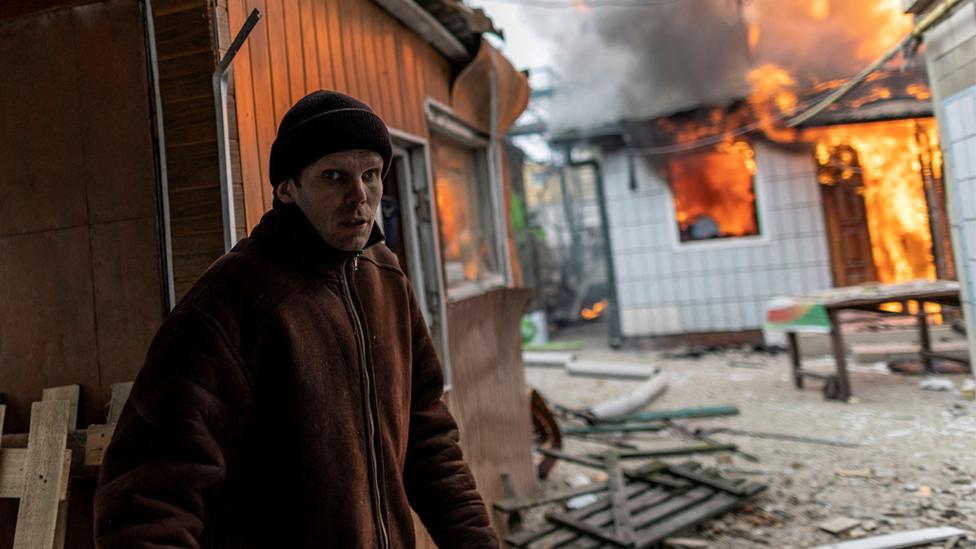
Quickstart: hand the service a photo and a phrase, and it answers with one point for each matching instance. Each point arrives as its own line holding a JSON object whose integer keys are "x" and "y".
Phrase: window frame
{"x": 444, "y": 124}
{"x": 761, "y": 237}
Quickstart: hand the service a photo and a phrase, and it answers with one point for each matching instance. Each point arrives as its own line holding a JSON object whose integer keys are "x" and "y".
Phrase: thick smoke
{"x": 640, "y": 62}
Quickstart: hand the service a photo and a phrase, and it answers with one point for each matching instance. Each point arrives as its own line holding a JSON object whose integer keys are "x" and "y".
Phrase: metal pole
{"x": 223, "y": 145}
{"x": 615, "y": 337}
{"x": 161, "y": 173}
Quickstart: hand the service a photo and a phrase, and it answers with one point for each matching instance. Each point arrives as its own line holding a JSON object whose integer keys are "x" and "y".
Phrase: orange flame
{"x": 919, "y": 91}
{"x": 891, "y": 160}
{"x": 594, "y": 312}
{"x": 459, "y": 243}
{"x": 772, "y": 87}
{"x": 716, "y": 186}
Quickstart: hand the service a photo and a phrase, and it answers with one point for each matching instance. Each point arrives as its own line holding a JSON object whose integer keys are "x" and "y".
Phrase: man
{"x": 292, "y": 398}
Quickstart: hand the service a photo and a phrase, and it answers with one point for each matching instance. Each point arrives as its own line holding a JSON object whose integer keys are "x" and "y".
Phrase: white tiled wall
{"x": 951, "y": 61}
{"x": 665, "y": 287}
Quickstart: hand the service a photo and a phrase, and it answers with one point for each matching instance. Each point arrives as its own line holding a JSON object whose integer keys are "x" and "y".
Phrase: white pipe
{"x": 219, "y": 81}
{"x": 641, "y": 397}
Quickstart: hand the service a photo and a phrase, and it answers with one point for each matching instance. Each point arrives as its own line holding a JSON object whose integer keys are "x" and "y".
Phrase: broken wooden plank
{"x": 679, "y": 413}
{"x": 597, "y": 464}
{"x": 679, "y": 451}
{"x": 70, "y": 393}
{"x": 716, "y": 504}
{"x": 688, "y": 471}
{"x": 898, "y": 540}
{"x": 598, "y": 512}
{"x": 513, "y": 505}
{"x": 622, "y": 527}
{"x": 613, "y": 428}
{"x": 46, "y": 451}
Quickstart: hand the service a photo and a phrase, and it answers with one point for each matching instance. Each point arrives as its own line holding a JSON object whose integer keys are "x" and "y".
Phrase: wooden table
{"x": 869, "y": 298}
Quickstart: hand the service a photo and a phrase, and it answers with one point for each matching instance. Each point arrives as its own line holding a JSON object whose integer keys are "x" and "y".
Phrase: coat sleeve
{"x": 174, "y": 439}
{"x": 439, "y": 484}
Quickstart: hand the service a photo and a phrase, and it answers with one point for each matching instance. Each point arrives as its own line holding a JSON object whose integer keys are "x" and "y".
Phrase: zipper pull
{"x": 355, "y": 262}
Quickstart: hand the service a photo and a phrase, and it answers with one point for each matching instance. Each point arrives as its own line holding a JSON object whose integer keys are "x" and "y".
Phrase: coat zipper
{"x": 370, "y": 419}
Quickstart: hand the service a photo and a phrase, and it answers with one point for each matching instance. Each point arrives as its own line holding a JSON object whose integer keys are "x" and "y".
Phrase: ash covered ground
{"x": 915, "y": 466}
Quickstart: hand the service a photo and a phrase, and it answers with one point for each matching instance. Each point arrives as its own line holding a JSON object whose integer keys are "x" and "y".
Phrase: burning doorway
{"x": 881, "y": 185}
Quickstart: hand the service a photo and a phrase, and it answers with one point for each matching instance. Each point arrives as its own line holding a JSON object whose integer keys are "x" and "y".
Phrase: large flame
{"x": 891, "y": 156}
{"x": 715, "y": 188}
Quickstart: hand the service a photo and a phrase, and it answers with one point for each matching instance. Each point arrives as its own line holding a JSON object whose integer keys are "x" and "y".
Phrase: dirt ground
{"x": 915, "y": 466}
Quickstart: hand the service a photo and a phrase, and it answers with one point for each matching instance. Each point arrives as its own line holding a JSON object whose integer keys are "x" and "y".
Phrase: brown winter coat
{"x": 292, "y": 399}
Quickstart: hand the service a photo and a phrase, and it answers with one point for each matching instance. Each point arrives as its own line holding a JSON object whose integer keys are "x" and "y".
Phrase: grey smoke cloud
{"x": 643, "y": 62}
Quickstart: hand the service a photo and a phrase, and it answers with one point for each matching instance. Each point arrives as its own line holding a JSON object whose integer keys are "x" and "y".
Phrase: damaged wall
{"x": 667, "y": 287}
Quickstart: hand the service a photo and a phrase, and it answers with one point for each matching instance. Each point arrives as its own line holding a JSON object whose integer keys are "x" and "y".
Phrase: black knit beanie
{"x": 321, "y": 123}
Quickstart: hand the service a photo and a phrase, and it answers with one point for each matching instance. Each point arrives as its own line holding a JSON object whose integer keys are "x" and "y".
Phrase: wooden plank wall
{"x": 81, "y": 289}
{"x": 351, "y": 46}
{"x": 80, "y": 281}
{"x": 186, "y": 62}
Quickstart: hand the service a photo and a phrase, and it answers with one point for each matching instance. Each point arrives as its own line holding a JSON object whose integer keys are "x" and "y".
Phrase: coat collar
{"x": 291, "y": 234}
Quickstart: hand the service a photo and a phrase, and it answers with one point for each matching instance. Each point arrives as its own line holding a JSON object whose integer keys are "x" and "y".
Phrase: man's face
{"x": 339, "y": 193}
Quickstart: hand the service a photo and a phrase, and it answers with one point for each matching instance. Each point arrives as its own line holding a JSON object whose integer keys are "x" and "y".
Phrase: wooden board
{"x": 44, "y": 486}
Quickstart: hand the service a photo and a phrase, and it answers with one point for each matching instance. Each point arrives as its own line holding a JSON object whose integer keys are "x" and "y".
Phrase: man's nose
{"x": 357, "y": 193}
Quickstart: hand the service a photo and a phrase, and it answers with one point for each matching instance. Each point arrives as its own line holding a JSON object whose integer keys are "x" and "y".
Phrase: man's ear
{"x": 284, "y": 191}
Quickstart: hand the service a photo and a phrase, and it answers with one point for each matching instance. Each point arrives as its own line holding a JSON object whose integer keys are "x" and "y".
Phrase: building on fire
{"x": 123, "y": 182}
{"x": 714, "y": 211}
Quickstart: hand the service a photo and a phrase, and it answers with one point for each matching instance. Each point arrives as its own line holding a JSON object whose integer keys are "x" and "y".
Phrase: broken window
{"x": 714, "y": 195}
{"x": 462, "y": 192}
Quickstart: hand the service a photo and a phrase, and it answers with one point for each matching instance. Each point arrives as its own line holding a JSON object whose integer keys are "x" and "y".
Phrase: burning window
{"x": 713, "y": 193}
{"x": 464, "y": 213}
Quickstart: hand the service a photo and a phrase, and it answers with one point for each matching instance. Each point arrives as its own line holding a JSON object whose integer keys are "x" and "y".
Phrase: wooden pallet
{"x": 640, "y": 511}
{"x": 35, "y": 467}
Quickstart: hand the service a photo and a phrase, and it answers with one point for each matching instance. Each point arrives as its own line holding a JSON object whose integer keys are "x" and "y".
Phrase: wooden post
{"x": 71, "y": 394}
{"x": 45, "y": 475}
{"x": 793, "y": 345}
{"x": 924, "y": 338}
{"x": 840, "y": 358}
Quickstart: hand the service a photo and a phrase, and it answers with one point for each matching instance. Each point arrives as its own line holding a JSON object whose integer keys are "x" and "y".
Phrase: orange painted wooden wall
{"x": 351, "y": 46}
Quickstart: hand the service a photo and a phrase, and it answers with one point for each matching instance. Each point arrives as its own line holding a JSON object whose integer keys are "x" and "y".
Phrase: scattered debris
{"x": 642, "y": 511}
{"x": 546, "y": 431}
{"x": 778, "y": 436}
{"x": 582, "y": 501}
{"x": 901, "y": 539}
{"x": 744, "y": 364}
{"x": 839, "y": 525}
{"x": 678, "y": 451}
{"x": 937, "y": 384}
{"x": 618, "y": 428}
{"x": 651, "y": 389}
{"x": 679, "y": 413}
{"x": 968, "y": 390}
{"x": 687, "y": 543}
{"x": 626, "y": 370}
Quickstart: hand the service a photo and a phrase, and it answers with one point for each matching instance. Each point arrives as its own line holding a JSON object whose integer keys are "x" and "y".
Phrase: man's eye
{"x": 331, "y": 175}
{"x": 371, "y": 175}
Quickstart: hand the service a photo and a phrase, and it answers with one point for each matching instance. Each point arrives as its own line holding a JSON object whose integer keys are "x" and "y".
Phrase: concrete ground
{"x": 915, "y": 466}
